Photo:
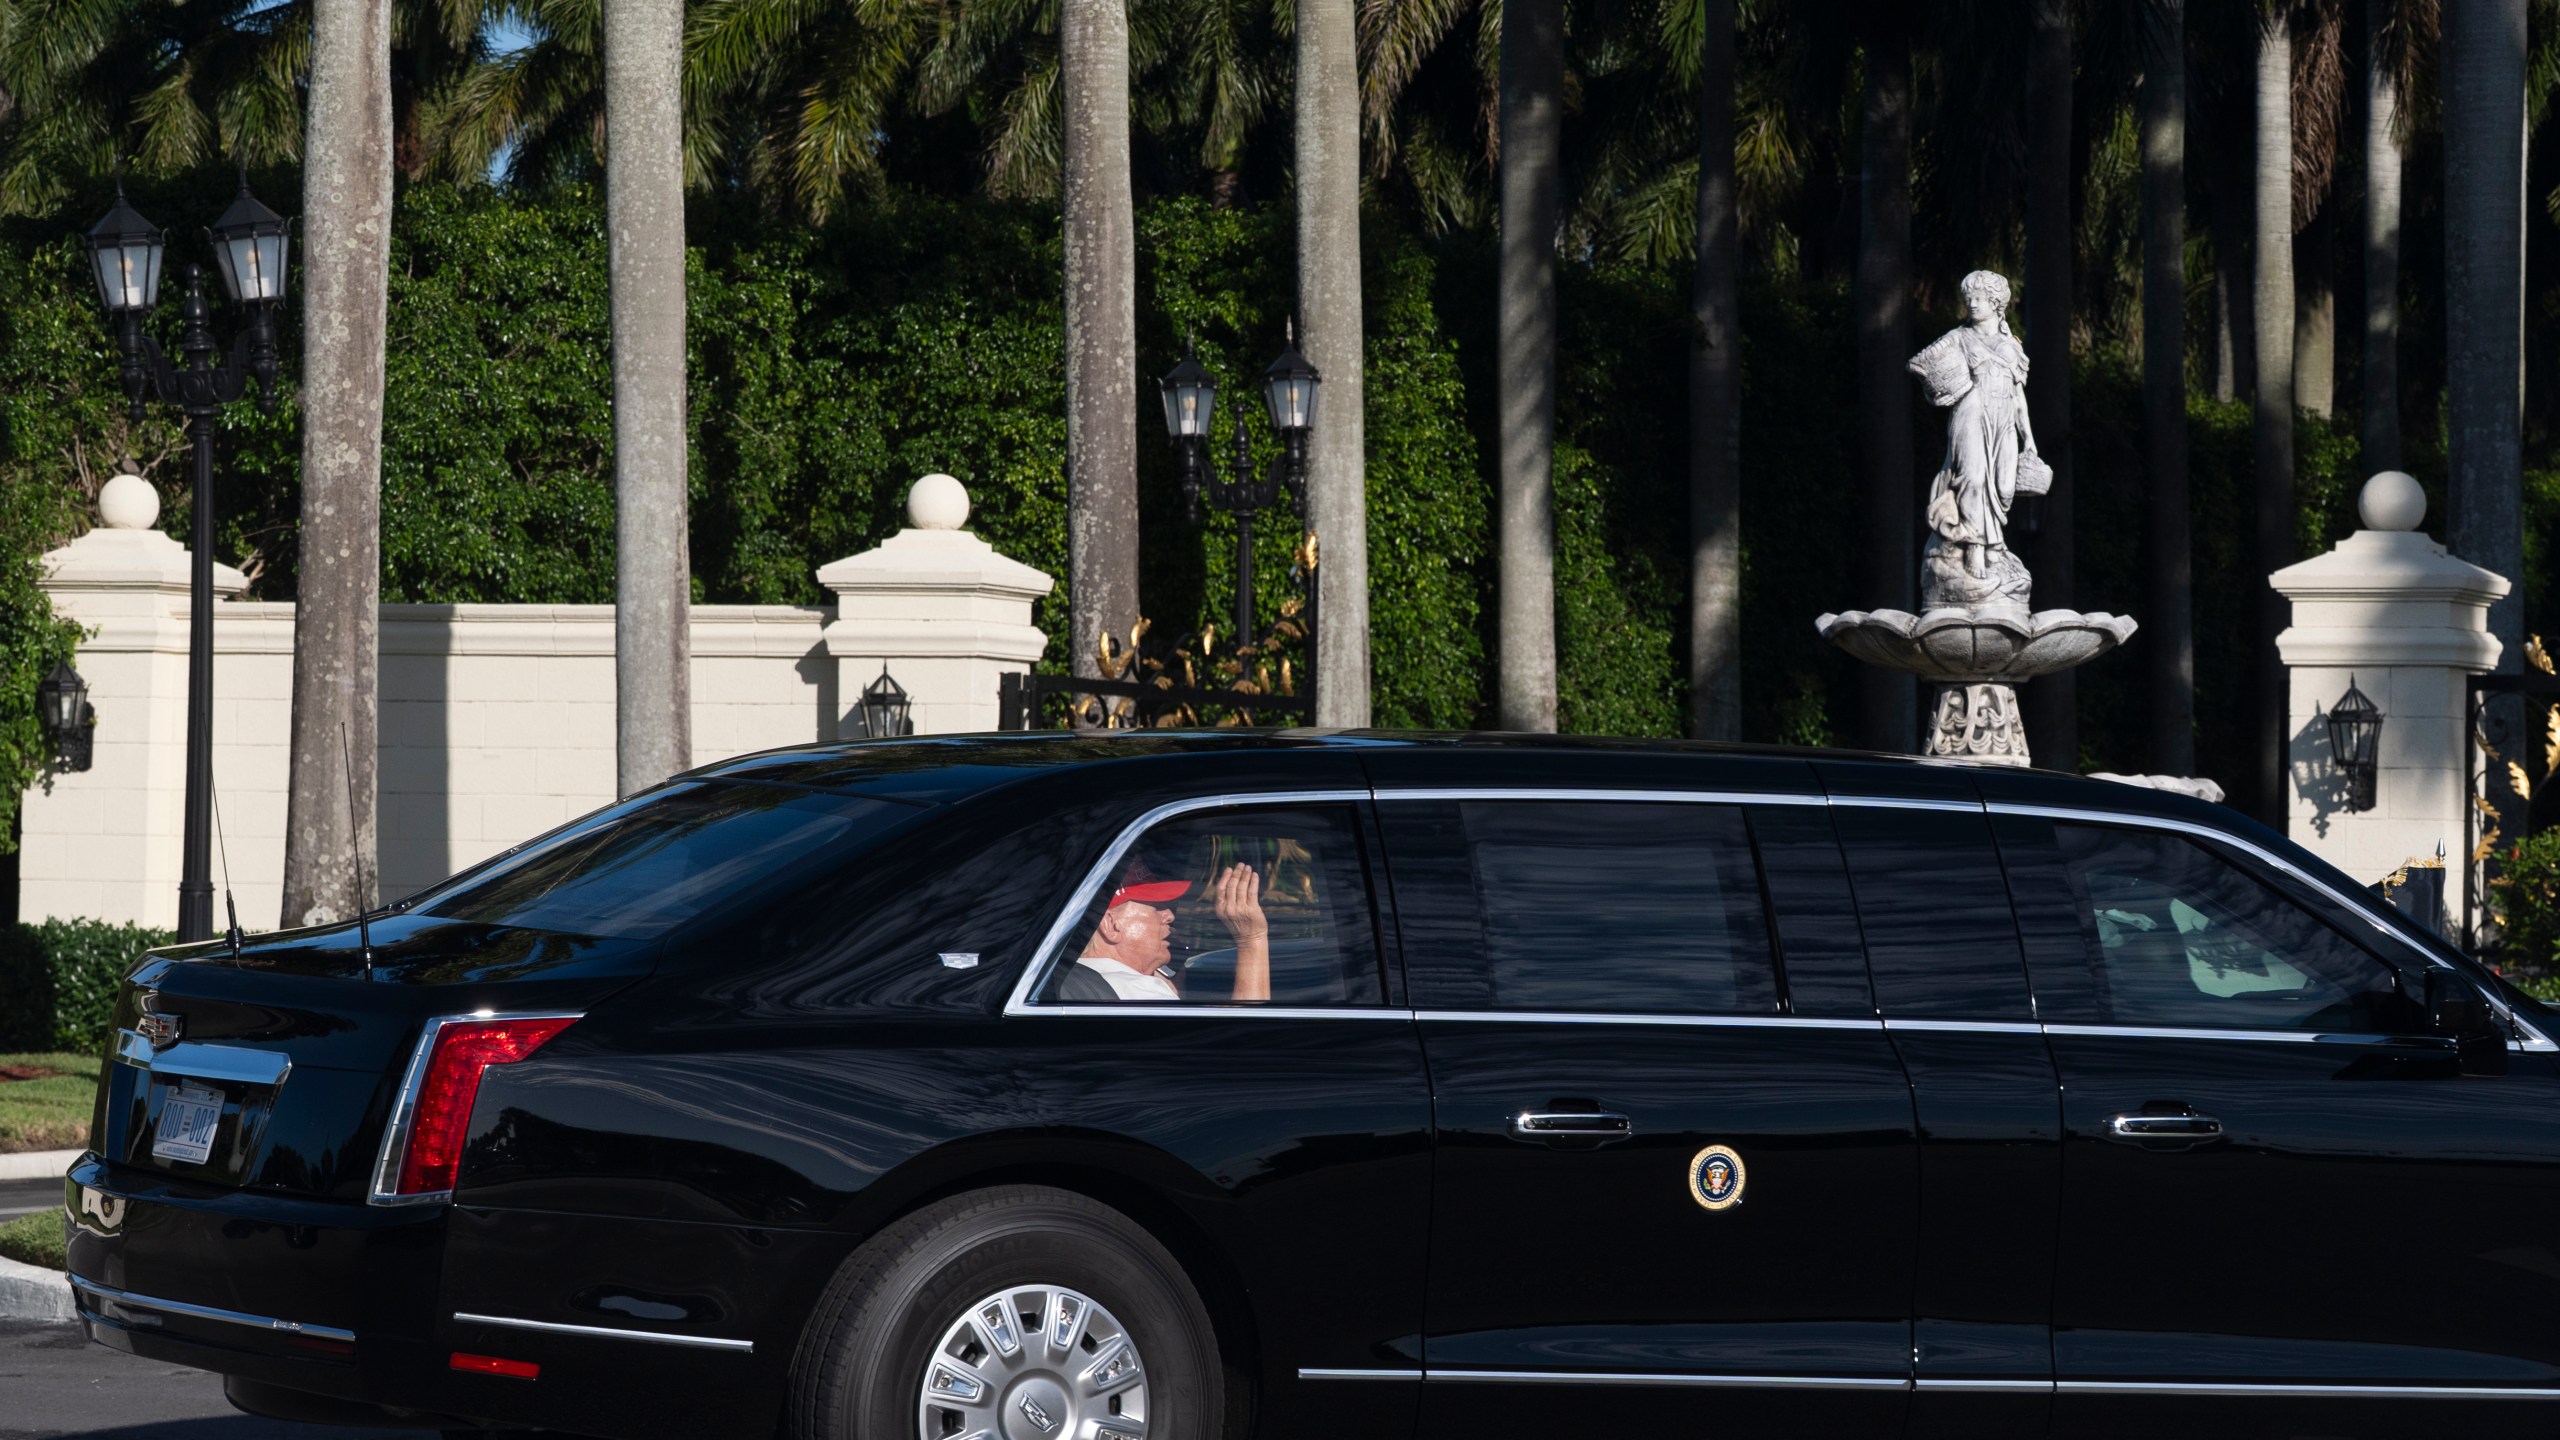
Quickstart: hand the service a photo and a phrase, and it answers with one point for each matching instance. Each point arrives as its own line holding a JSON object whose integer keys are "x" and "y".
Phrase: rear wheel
{"x": 1015, "y": 1313}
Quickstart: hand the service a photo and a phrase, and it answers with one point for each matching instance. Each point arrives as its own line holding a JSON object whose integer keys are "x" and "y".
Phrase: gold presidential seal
{"x": 1715, "y": 1178}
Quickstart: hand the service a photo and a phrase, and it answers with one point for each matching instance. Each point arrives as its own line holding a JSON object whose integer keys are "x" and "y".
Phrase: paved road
{"x": 24, "y": 1197}
{"x": 56, "y": 1385}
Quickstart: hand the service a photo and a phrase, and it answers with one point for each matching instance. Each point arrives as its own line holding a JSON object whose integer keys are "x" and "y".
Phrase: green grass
{"x": 34, "y": 1239}
{"x": 50, "y": 1112}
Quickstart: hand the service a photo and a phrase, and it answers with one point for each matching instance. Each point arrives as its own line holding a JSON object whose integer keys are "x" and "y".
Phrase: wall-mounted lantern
{"x": 62, "y": 707}
{"x": 2355, "y": 743}
{"x": 882, "y": 712}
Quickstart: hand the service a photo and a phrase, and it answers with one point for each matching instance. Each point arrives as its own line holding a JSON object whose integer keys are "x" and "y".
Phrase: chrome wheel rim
{"x": 1034, "y": 1362}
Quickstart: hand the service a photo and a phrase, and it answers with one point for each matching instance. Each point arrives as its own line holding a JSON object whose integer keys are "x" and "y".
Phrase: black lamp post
{"x": 250, "y": 244}
{"x": 62, "y": 708}
{"x": 883, "y": 709}
{"x": 1190, "y": 399}
{"x": 2355, "y": 743}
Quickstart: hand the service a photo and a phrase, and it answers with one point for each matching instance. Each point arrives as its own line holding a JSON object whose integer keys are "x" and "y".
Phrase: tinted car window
{"x": 1247, "y": 906}
{"x": 1619, "y": 907}
{"x": 639, "y": 869}
{"x": 2183, "y": 937}
{"x": 1935, "y": 908}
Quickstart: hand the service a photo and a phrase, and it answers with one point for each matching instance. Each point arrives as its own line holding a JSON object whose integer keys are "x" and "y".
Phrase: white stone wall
{"x": 497, "y": 721}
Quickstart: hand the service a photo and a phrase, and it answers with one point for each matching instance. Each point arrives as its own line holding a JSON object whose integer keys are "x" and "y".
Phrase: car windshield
{"x": 638, "y": 869}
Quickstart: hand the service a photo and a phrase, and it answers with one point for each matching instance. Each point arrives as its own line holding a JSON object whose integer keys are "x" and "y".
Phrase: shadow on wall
{"x": 817, "y": 670}
{"x": 2315, "y": 778}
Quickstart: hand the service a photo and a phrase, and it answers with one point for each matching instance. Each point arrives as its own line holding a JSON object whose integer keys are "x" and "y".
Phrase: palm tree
{"x": 1102, "y": 326}
{"x": 644, "y": 221}
{"x": 2319, "y": 105}
{"x": 2389, "y": 51}
{"x": 2052, "y": 702}
{"x": 2484, "y": 109}
{"x": 1888, "y": 701}
{"x": 2271, "y": 287}
{"x": 1715, "y": 395}
{"x": 1525, "y": 373}
{"x": 346, "y": 260}
{"x": 1329, "y": 303}
{"x": 2168, "y": 567}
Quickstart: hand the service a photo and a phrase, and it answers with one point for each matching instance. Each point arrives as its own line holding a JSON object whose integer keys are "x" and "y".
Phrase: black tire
{"x": 859, "y": 1370}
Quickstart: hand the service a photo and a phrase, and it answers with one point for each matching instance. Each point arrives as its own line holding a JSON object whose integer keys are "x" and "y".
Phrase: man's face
{"x": 1145, "y": 939}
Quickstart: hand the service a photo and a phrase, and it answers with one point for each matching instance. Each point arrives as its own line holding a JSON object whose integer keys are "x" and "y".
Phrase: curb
{"x": 37, "y": 1164}
{"x": 31, "y": 1292}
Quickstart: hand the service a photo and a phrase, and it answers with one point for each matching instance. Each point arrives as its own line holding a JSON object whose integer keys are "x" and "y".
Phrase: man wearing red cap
{"x": 1131, "y": 947}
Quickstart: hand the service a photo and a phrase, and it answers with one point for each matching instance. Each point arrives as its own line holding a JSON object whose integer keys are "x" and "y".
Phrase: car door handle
{"x": 1587, "y": 1124}
{"x": 2164, "y": 1127}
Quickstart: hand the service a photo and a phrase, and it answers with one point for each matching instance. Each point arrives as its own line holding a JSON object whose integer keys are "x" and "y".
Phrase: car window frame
{"x": 1047, "y": 959}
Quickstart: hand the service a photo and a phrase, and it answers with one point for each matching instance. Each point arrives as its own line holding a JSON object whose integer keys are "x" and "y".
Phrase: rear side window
{"x": 2184, "y": 938}
{"x": 1941, "y": 942}
{"x": 639, "y": 869}
{"x": 1616, "y": 908}
{"x": 1254, "y": 905}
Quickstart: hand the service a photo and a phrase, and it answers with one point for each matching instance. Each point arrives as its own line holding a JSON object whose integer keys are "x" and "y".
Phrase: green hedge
{"x": 58, "y": 981}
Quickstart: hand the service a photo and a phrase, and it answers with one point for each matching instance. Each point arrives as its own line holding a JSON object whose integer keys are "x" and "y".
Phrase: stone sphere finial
{"x": 938, "y": 502}
{"x": 128, "y": 502}
{"x": 2392, "y": 501}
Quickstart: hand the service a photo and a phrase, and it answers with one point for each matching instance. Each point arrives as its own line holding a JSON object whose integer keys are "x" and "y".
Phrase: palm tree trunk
{"x": 1329, "y": 303}
{"x": 329, "y": 869}
{"x": 2235, "y": 338}
{"x": 2052, "y": 702}
{"x": 644, "y": 226}
{"x": 2168, "y": 618}
{"x": 2484, "y": 115}
{"x": 1888, "y": 701}
{"x": 2271, "y": 286}
{"x": 1715, "y": 407}
{"x": 2381, "y": 249}
{"x": 1532, "y": 113}
{"x": 1102, "y": 328}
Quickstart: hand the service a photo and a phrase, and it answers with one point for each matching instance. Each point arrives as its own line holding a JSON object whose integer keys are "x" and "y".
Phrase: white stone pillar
{"x": 2407, "y": 623}
{"x": 940, "y": 609}
{"x": 105, "y": 841}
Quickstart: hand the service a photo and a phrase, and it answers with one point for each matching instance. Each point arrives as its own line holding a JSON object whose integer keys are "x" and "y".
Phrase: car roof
{"x": 946, "y": 768}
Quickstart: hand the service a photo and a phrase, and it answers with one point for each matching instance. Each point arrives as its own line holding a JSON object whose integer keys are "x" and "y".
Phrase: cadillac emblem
{"x": 1715, "y": 1178}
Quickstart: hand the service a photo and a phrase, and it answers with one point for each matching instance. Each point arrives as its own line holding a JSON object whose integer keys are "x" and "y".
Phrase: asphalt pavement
{"x": 59, "y": 1386}
{"x": 25, "y": 1197}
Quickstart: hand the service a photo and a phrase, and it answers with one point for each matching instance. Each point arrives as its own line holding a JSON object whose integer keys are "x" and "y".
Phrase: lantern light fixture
{"x": 1289, "y": 388}
{"x": 884, "y": 711}
{"x": 126, "y": 250}
{"x": 250, "y": 243}
{"x": 2355, "y": 743}
{"x": 70, "y": 723}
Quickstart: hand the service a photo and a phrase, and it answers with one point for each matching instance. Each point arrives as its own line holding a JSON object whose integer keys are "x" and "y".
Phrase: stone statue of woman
{"x": 1980, "y": 370}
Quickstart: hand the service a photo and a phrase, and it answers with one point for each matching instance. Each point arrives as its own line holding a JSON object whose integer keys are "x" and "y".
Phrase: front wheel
{"x": 1015, "y": 1313}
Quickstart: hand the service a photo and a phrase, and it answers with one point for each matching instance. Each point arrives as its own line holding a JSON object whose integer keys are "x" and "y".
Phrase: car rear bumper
{"x": 367, "y": 1306}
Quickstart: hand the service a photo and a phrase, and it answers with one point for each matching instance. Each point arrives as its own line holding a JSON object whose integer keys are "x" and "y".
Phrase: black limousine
{"x": 1171, "y": 1087}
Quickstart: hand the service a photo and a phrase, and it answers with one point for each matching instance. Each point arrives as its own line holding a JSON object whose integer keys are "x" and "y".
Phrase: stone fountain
{"x": 1978, "y": 636}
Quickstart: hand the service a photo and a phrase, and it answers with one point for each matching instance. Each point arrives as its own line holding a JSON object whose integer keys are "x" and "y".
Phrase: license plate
{"x": 187, "y": 1121}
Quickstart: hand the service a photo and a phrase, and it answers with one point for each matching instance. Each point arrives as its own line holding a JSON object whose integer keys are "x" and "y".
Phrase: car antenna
{"x": 229, "y": 909}
{"x": 355, "y": 851}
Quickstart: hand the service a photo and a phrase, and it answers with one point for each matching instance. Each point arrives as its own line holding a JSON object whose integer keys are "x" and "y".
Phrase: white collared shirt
{"x": 1130, "y": 984}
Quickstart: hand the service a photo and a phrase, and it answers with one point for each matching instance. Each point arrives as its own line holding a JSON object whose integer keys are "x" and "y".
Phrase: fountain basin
{"x": 1976, "y": 644}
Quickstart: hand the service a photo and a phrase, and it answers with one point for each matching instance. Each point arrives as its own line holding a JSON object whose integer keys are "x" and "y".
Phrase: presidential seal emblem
{"x": 1715, "y": 1178}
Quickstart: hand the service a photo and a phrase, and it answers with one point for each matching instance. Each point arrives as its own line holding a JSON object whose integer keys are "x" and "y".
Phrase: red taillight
{"x": 492, "y": 1365}
{"x": 463, "y": 1051}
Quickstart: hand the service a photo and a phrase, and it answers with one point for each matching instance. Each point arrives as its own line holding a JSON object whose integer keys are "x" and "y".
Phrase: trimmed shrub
{"x": 58, "y": 981}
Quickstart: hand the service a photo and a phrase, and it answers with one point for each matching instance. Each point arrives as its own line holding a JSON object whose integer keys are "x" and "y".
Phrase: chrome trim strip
{"x": 404, "y": 1106}
{"x": 207, "y": 1312}
{"x": 1968, "y": 1027}
{"x": 2537, "y": 1043}
{"x": 1311, "y": 1373}
{"x": 1043, "y": 959}
{"x": 1638, "y": 797}
{"x": 1932, "y": 1382}
{"x": 1221, "y": 1011}
{"x": 1711, "y": 1022}
{"x": 1896, "y": 802}
{"x": 1718, "y": 1382}
{"x": 2155, "y": 1032}
{"x": 196, "y": 1060}
{"x": 2304, "y": 1391}
{"x": 132, "y": 1049}
{"x": 604, "y": 1332}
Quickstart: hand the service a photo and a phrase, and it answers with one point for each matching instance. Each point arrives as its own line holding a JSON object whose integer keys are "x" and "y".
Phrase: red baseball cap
{"x": 1153, "y": 892}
